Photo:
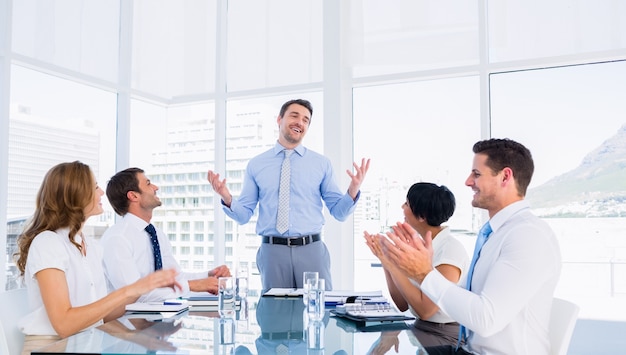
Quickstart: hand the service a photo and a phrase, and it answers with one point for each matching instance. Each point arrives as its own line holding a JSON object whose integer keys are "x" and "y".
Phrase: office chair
{"x": 15, "y": 305}
{"x": 562, "y": 321}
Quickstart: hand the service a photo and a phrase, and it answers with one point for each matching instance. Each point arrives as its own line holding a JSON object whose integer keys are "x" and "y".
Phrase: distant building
{"x": 35, "y": 145}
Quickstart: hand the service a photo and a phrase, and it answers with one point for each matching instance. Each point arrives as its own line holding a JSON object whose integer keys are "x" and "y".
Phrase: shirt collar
{"x": 278, "y": 148}
{"x": 135, "y": 221}
{"x": 506, "y": 213}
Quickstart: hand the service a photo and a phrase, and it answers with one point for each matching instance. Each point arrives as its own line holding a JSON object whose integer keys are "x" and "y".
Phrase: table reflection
{"x": 272, "y": 325}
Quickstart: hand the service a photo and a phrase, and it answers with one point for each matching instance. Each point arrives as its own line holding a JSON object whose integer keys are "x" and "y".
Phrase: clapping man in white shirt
{"x": 507, "y": 308}
{"x": 128, "y": 251}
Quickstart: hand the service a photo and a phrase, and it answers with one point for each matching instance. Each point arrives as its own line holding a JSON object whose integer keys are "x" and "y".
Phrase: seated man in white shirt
{"x": 128, "y": 250}
{"x": 507, "y": 308}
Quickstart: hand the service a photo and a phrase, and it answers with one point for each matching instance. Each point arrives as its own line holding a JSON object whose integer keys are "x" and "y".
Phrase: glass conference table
{"x": 270, "y": 326}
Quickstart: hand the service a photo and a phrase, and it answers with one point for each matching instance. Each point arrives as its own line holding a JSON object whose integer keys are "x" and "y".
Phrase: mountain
{"x": 596, "y": 188}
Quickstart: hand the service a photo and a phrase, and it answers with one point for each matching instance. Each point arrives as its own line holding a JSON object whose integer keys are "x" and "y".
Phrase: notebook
{"x": 206, "y": 302}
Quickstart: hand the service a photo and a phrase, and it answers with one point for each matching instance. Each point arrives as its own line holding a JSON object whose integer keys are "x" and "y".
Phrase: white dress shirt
{"x": 128, "y": 257}
{"x": 83, "y": 274}
{"x": 508, "y": 309}
{"x": 447, "y": 250}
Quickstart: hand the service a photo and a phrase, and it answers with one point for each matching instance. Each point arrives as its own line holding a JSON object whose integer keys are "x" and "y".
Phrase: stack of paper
{"x": 284, "y": 292}
{"x": 207, "y": 302}
{"x": 334, "y": 297}
{"x": 174, "y": 306}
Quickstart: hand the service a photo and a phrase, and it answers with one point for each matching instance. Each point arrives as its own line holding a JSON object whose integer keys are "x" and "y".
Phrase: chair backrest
{"x": 562, "y": 321}
{"x": 14, "y": 306}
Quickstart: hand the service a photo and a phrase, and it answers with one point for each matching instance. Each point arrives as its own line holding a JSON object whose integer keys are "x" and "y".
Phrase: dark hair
{"x": 502, "y": 153}
{"x": 118, "y": 187}
{"x": 300, "y": 102}
{"x": 434, "y": 203}
{"x": 66, "y": 190}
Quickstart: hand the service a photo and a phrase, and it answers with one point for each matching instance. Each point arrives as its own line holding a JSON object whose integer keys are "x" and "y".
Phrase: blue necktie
{"x": 156, "y": 250}
{"x": 481, "y": 238}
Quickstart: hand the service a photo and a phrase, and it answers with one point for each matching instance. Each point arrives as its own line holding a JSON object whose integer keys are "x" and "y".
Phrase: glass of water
{"x": 316, "y": 305}
{"x": 226, "y": 296}
{"x": 309, "y": 278}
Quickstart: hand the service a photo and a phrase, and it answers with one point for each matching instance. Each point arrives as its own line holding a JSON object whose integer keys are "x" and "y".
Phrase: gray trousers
{"x": 282, "y": 266}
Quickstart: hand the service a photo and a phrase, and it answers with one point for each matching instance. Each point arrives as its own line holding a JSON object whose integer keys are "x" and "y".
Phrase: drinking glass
{"x": 308, "y": 278}
{"x": 226, "y": 296}
{"x": 316, "y": 306}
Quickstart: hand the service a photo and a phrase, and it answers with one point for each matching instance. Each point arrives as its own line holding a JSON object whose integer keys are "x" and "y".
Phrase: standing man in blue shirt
{"x": 285, "y": 255}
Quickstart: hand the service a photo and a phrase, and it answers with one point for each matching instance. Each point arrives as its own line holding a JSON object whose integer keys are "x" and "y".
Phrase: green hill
{"x": 601, "y": 177}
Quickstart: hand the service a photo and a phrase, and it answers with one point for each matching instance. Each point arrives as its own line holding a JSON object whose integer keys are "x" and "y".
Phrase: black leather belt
{"x": 291, "y": 241}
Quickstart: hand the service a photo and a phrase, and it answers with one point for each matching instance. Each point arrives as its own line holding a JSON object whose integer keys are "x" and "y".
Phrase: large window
{"x": 573, "y": 119}
{"x": 175, "y": 147}
{"x": 47, "y": 126}
{"x": 80, "y": 36}
{"x": 539, "y": 29}
{"x": 390, "y": 37}
{"x": 274, "y": 43}
{"x": 173, "y": 48}
{"x": 400, "y": 135}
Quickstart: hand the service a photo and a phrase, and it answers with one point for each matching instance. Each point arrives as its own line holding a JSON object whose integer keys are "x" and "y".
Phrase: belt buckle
{"x": 289, "y": 242}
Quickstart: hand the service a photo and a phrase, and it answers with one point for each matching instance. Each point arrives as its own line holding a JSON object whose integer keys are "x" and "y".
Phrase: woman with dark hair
{"x": 427, "y": 206}
{"x": 62, "y": 269}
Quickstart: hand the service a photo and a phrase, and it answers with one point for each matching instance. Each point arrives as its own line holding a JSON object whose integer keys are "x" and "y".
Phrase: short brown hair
{"x": 300, "y": 102}
{"x": 118, "y": 187}
{"x": 502, "y": 153}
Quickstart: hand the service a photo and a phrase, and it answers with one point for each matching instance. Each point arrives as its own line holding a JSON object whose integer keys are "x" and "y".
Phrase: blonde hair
{"x": 66, "y": 190}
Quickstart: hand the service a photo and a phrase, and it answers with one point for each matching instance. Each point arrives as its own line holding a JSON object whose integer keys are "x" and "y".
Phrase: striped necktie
{"x": 282, "y": 217}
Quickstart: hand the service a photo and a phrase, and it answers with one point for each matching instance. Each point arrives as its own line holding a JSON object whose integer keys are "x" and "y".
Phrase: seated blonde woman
{"x": 62, "y": 269}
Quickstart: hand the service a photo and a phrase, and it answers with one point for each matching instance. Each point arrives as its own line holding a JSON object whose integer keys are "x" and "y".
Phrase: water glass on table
{"x": 308, "y": 278}
{"x": 226, "y": 296}
{"x": 316, "y": 306}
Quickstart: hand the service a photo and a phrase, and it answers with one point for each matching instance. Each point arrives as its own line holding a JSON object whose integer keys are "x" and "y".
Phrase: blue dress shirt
{"x": 311, "y": 183}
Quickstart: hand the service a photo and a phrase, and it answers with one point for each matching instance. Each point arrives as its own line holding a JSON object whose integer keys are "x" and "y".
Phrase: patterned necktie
{"x": 156, "y": 250}
{"x": 481, "y": 238}
{"x": 282, "y": 219}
